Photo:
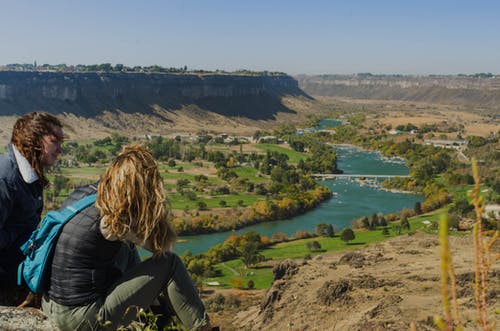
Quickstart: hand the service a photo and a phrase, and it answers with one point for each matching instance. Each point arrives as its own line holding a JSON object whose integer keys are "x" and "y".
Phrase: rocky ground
{"x": 29, "y": 319}
{"x": 384, "y": 286}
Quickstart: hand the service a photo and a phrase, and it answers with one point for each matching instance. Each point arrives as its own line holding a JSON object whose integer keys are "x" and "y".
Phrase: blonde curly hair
{"x": 131, "y": 200}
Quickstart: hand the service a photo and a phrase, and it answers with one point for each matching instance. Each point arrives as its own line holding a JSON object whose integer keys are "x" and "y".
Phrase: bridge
{"x": 332, "y": 176}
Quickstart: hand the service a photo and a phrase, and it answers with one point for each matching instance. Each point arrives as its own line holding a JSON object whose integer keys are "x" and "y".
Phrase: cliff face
{"x": 90, "y": 94}
{"x": 447, "y": 89}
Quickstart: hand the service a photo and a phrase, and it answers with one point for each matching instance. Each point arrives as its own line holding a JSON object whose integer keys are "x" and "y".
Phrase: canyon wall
{"x": 465, "y": 90}
{"x": 90, "y": 94}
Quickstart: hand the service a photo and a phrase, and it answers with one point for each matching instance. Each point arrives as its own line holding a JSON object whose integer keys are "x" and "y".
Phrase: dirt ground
{"x": 392, "y": 112}
{"x": 384, "y": 286}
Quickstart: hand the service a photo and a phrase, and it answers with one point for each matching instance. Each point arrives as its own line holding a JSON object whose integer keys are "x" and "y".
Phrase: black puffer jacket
{"x": 83, "y": 264}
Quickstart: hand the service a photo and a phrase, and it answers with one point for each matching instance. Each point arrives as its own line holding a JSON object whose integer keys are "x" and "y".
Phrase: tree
{"x": 417, "y": 208}
{"x": 347, "y": 235}
{"x": 373, "y": 221}
{"x": 249, "y": 254}
{"x": 202, "y": 205}
{"x": 382, "y": 221}
{"x": 461, "y": 206}
{"x": 316, "y": 245}
{"x": 363, "y": 222}
{"x": 330, "y": 232}
{"x": 60, "y": 183}
{"x": 405, "y": 224}
{"x": 321, "y": 229}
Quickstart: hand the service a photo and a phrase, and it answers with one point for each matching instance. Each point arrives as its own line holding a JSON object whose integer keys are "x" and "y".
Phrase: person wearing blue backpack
{"x": 97, "y": 280}
{"x": 35, "y": 145}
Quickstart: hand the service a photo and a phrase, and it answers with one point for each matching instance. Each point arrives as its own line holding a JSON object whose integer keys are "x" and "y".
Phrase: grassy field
{"x": 251, "y": 173}
{"x": 234, "y": 271}
{"x": 178, "y": 201}
{"x": 294, "y": 157}
{"x": 92, "y": 172}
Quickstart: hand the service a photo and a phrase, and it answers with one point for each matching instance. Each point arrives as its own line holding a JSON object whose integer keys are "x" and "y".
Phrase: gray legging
{"x": 137, "y": 288}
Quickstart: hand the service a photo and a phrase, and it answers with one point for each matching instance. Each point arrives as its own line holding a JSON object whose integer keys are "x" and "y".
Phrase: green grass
{"x": 236, "y": 270}
{"x": 293, "y": 156}
{"x": 250, "y": 173}
{"x": 178, "y": 201}
{"x": 178, "y": 164}
{"x": 174, "y": 174}
{"x": 83, "y": 171}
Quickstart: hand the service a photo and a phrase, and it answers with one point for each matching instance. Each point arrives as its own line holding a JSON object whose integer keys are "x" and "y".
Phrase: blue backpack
{"x": 38, "y": 250}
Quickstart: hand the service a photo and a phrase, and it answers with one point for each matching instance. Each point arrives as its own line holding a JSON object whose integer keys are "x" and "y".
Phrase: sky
{"x": 297, "y": 37}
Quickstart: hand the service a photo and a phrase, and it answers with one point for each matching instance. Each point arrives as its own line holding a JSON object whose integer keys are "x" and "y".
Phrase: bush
{"x": 347, "y": 235}
{"x": 202, "y": 205}
{"x": 237, "y": 283}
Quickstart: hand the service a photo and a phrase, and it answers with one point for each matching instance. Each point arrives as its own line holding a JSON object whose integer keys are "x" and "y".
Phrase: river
{"x": 350, "y": 201}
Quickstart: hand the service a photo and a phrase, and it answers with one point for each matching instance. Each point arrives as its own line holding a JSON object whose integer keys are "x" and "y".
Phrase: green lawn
{"x": 250, "y": 173}
{"x": 178, "y": 201}
{"x": 174, "y": 174}
{"x": 235, "y": 271}
{"x": 83, "y": 171}
{"x": 293, "y": 156}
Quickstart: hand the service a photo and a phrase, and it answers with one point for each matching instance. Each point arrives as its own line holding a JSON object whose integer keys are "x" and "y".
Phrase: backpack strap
{"x": 73, "y": 209}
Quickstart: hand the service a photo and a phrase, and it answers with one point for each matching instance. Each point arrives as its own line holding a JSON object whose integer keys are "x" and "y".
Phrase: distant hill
{"x": 153, "y": 102}
{"x": 471, "y": 91}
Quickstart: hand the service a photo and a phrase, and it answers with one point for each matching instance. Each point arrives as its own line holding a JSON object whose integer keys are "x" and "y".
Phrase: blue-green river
{"x": 350, "y": 201}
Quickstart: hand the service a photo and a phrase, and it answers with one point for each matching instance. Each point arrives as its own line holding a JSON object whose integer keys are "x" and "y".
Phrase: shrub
{"x": 237, "y": 283}
{"x": 202, "y": 205}
{"x": 347, "y": 235}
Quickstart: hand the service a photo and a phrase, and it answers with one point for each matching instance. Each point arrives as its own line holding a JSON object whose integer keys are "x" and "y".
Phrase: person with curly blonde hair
{"x": 35, "y": 145}
{"x": 97, "y": 279}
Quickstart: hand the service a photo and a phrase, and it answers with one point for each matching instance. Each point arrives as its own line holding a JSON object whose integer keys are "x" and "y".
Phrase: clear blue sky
{"x": 310, "y": 36}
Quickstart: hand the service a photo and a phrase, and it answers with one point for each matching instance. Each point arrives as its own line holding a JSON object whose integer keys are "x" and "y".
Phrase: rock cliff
{"x": 91, "y": 94}
{"x": 470, "y": 91}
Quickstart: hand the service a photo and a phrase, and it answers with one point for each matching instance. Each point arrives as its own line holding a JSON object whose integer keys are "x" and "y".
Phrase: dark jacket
{"x": 83, "y": 266}
{"x": 21, "y": 205}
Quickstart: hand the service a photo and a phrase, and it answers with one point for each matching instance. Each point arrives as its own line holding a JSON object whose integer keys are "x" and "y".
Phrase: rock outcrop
{"x": 12, "y": 318}
{"x": 90, "y": 94}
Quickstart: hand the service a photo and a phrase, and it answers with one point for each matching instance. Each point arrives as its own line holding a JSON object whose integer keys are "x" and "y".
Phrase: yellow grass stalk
{"x": 447, "y": 323}
{"x": 482, "y": 253}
